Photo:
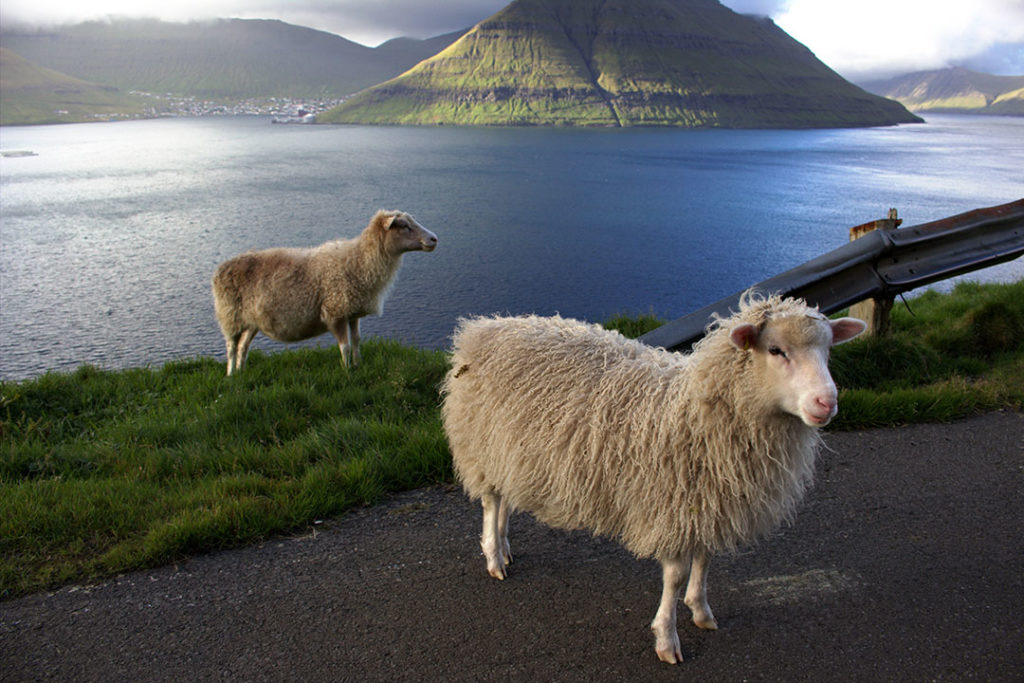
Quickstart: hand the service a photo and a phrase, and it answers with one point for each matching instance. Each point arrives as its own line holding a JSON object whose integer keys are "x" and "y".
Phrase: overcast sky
{"x": 857, "y": 38}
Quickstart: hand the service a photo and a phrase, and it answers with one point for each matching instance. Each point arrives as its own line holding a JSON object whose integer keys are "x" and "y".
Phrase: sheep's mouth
{"x": 817, "y": 420}
{"x": 428, "y": 247}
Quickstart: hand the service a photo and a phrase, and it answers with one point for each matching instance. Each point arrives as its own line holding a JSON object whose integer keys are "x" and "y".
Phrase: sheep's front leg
{"x": 666, "y": 636}
{"x": 353, "y": 340}
{"x": 697, "y": 592}
{"x": 493, "y": 539}
{"x": 339, "y": 328}
{"x": 503, "y": 545}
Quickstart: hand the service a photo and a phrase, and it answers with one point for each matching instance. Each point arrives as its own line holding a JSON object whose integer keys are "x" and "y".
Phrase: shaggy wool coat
{"x": 584, "y": 428}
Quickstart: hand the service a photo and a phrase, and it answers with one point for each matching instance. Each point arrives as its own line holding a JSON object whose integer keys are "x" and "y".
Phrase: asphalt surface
{"x": 905, "y": 563}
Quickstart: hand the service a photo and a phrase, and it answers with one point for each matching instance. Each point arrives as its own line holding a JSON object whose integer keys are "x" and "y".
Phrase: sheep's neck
{"x": 376, "y": 264}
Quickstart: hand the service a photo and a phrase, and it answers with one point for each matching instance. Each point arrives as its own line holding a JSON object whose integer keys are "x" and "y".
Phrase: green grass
{"x": 103, "y": 472}
{"x": 949, "y": 356}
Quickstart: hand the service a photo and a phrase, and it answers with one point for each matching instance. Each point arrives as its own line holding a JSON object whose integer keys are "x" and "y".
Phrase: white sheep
{"x": 293, "y": 294}
{"x": 677, "y": 456}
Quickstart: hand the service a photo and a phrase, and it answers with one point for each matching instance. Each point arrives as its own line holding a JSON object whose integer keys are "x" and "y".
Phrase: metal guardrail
{"x": 880, "y": 264}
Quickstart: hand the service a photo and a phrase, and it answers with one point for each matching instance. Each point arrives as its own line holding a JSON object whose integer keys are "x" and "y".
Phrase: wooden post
{"x": 875, "y": 312}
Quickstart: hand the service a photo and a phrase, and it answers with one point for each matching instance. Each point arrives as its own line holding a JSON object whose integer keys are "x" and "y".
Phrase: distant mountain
{"x": 622, "y": 63}
{"x": 35, "y": 94}
{"x": 410, "y": 51}
{"x": 220, "y": 59}
{"x": 955, "y": 90}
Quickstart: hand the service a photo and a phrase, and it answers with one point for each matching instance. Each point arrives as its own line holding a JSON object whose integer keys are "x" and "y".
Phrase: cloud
{"x": 1003, "y": 59}
{"x": 372, "y": 21}
{"x": 366, "y": 21}
{"x": 857, "y": 38}
{"x": 871, "y": 38}
{"x": 763, "y": 8}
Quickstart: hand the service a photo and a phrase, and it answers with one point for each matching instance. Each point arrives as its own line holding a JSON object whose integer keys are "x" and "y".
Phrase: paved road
{"x": 906, "y": 563}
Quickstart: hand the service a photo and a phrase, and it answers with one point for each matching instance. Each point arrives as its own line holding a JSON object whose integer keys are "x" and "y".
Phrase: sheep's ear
{"x": 744, "y": 336}
{"x": 845, "y": 329}
{"x": 388, "y": 221}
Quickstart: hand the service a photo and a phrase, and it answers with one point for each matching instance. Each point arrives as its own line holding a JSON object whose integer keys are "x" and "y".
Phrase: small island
{"x": 622, "y": 63}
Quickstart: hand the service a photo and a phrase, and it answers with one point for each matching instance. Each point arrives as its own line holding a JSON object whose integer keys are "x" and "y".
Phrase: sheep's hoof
{"x": 706, "y": 622}
{"x": 668, "y": 650}
{"x": 702, "y": 615}
{"x": 498, "y": 557}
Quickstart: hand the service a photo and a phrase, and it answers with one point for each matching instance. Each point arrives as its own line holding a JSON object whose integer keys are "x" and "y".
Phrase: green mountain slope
{"x": 621, "y": 63}
{"x": 30, "y": 93}
{"x": 221, "y": 59}
{"x": 955, "y": 90}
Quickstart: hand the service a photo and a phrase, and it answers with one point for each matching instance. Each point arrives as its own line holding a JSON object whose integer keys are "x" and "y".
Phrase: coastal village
{"x": 283, "y": 109}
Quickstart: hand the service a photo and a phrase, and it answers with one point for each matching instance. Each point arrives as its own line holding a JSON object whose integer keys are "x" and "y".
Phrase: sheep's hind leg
{"x": 666, "y": 636}
{"x": 697, "y": 592}
{"x": 238, "y": 348}
{"x": 231, "y": 342}
{"x": 493, "y": 540}
{"x": 242, "y": 352}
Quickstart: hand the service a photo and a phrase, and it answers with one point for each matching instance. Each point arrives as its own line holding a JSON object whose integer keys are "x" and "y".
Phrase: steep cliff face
{"x": 622, "y": 63}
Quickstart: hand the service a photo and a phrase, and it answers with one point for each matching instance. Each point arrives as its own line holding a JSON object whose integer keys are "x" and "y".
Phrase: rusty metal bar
{"x": 882, "y": 263}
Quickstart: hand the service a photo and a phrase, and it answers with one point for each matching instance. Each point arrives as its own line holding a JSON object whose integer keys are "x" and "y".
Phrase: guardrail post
{"x": 875, "y": 312}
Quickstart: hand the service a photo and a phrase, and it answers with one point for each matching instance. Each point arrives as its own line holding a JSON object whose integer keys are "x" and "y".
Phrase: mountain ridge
{"x": 222, "y": 58}
{"x": 954, "y": 89}
{"x": 35, "y": 94}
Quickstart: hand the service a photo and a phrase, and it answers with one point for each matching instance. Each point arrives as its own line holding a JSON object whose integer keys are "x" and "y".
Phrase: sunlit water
{"x": 110, "y": 233}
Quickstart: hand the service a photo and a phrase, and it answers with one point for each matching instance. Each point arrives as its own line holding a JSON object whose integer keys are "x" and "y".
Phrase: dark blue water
{"x": 109, "y": 234}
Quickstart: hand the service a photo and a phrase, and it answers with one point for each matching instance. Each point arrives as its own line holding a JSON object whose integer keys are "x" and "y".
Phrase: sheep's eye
{"x": 776, "y": 351}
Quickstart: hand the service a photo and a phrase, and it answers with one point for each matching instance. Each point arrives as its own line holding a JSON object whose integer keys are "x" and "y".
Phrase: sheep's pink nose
{"x": 827, "y": 405}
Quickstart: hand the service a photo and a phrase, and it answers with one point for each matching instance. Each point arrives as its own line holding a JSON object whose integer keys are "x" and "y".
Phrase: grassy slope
{"x": 106, "y": 471}
{"x": 222, "y": 59}
{"x": 619, "y": 62}
{"x": 35, "y": 94}
{"x": 102, "y": 472}
{"x": 1008, "y": 104}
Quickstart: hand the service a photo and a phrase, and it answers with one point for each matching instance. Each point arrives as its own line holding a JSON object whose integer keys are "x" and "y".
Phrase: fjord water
{"x": 110, "y": 232}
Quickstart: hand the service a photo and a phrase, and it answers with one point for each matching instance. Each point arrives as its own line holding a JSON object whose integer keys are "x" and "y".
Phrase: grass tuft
{"x": 949, "y": 356}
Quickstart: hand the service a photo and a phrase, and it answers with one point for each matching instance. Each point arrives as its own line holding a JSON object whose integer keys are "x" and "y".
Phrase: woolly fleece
{"x": 584, "y": 428}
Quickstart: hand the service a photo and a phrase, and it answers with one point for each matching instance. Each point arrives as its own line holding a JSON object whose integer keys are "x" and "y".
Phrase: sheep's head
{"x": 401, "y": 233}
{"x": 789, "y": 354}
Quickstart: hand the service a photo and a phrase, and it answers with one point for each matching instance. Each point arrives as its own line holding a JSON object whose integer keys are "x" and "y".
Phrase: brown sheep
{"x": 291, "y": 294}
